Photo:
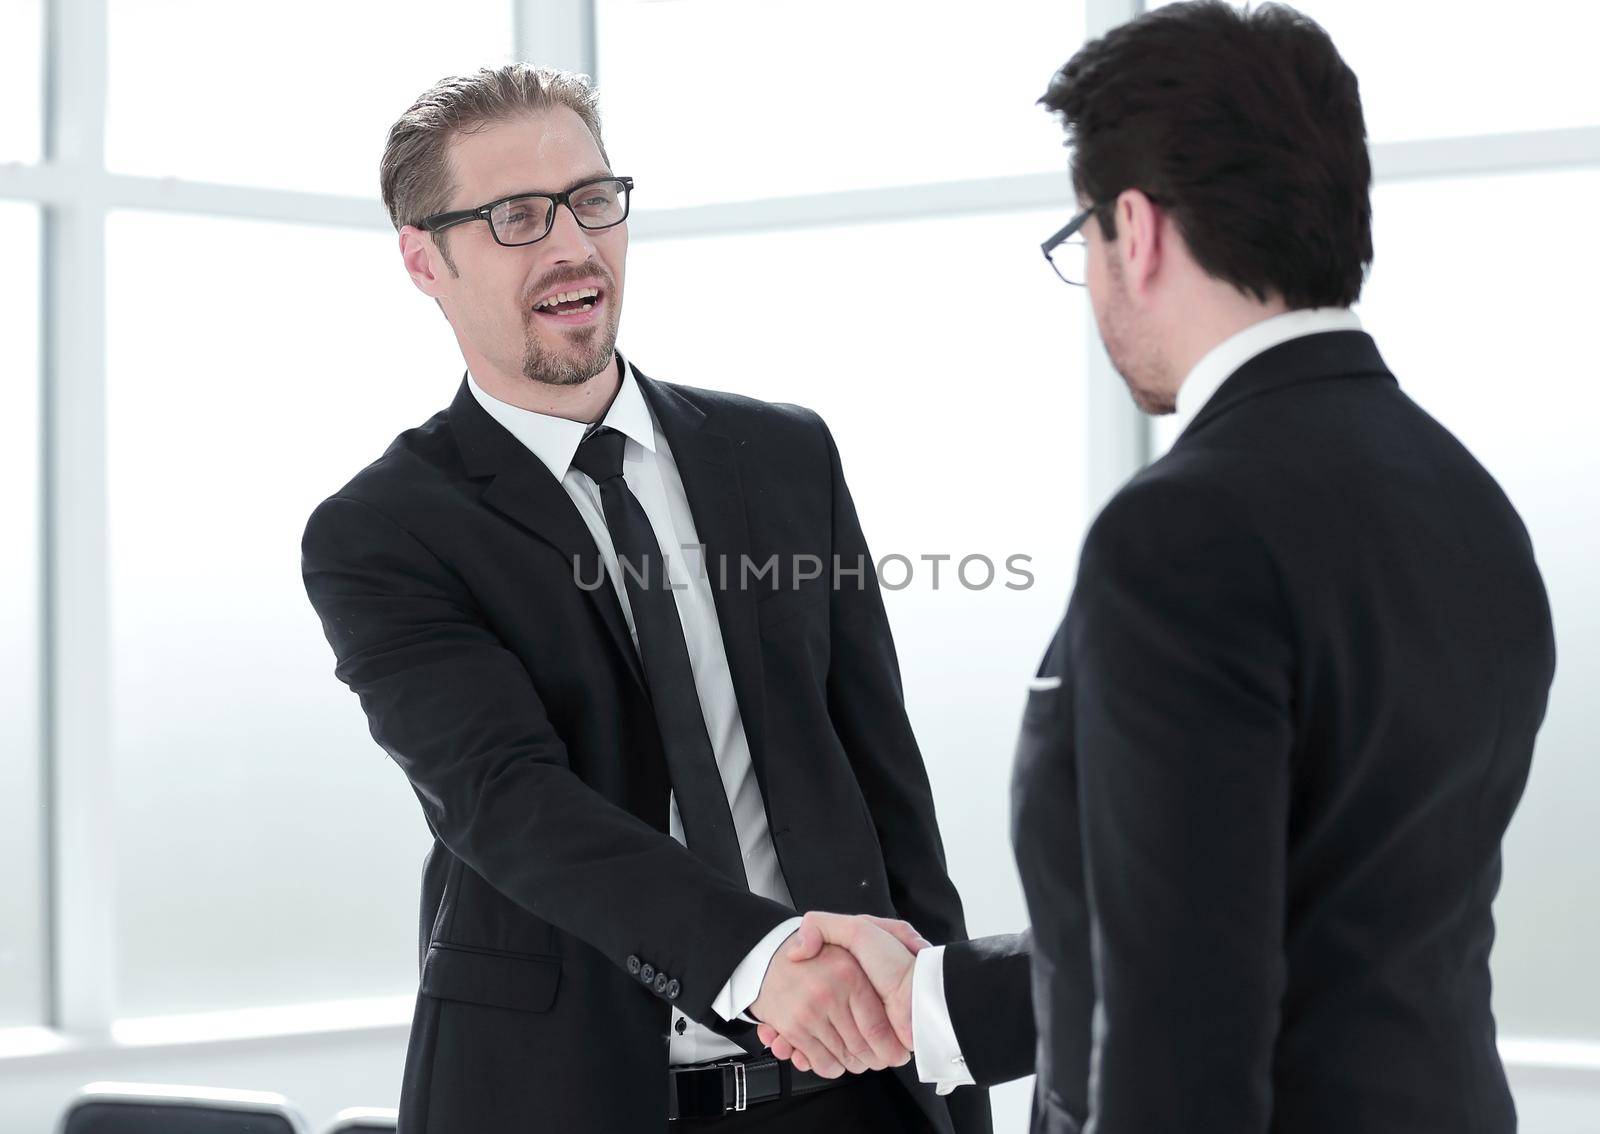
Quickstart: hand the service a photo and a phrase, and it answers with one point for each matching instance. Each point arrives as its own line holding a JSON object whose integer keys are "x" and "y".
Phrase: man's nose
{"x": 568, "y": 240}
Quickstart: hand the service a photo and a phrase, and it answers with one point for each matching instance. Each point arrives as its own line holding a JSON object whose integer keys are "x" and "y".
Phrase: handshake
{"x": 837, "y": 996}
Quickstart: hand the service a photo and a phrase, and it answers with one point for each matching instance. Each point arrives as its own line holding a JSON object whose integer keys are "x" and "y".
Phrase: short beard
{"x": 1156, "y": 405}
{"x": 1134, "y": 355}
{"x": 592, "y": 355}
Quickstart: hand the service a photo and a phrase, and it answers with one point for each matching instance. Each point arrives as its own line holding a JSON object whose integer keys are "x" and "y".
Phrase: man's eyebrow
{"x": 604, "y": 175}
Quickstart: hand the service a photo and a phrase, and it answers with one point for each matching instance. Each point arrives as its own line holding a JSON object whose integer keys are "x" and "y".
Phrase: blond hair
{"x": 415, "y": 173}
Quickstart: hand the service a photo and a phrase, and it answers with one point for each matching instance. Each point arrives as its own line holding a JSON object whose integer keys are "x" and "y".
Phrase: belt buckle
{"x": 741, "y": 1087}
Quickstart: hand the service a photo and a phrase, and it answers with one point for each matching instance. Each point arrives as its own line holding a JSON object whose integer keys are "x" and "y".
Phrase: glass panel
{"x": 294, "y": 95}
{"x": 21, "y": 79}
{"x": 703, "y": 104}
{"x": 1489, "y": 332}
{"x": 268, "y": 852}
{"x": 947, "y": 359}
{"x": 22, "y": 829}
{"x": 1481, "y": 75}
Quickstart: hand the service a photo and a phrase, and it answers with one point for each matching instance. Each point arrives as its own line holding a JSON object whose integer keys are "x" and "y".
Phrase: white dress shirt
{"x": 1219, "y": 363}
{"x": 652, "y": 476}
{"x": 939, "y": 1058}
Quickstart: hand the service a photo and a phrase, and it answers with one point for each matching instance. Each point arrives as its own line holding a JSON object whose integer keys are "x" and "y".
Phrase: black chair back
{"x": 148, "y": 1108}
{"x": 364, "y": 1120}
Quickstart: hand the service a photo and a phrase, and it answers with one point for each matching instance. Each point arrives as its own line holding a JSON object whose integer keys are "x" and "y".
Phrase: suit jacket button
{"x": 661, "y": 984}
{"x": 633, "y": 966}
{"x": 648, "y": 974}
{"x": 672, "y": 989}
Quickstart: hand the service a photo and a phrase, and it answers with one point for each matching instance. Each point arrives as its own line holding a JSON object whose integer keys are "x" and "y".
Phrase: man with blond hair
{"x": 625, "y": 640}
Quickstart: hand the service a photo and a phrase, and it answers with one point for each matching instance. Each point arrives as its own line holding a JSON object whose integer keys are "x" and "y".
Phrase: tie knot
{"x": 600, "y": 454}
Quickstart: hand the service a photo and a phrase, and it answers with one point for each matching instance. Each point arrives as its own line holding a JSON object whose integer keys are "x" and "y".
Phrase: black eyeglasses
{"x": 1067, "y": 252}
{"x": 527, "y": 217}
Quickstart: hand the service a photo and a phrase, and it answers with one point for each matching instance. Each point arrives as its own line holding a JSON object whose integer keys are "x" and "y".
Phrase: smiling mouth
{"x": 574, "y": 301}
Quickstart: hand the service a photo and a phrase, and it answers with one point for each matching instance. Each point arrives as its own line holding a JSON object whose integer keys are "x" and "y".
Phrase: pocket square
{"x": 1039, "y": 684}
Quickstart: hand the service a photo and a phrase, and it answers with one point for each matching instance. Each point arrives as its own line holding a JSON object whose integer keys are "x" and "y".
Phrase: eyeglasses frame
{"x": 441, "y": 221}
{"x": 1070, "y": 229}
{"x": 1066, "y": 233}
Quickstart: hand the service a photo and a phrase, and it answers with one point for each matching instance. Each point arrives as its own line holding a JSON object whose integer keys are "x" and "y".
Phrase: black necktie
{"x": 691, "y": 763}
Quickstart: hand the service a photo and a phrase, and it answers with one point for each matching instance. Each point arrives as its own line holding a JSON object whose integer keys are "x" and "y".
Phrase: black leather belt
{"x": 715, "y": 1089}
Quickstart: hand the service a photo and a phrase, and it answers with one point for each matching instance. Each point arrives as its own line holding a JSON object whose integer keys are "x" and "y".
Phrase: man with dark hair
{"x": 1269, "y": 756}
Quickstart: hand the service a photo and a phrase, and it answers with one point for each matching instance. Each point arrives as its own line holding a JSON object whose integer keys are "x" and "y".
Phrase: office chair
{"x": 153, "y": 1108}
{"x": 364, "y": 1120}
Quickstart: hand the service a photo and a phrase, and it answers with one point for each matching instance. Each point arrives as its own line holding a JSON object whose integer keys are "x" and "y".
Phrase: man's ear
{"x": 1139, "y": 239}
{"x": 422, "y": 260}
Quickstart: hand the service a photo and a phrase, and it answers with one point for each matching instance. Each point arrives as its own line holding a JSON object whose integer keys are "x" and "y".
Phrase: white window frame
{"x": 75, "y": 191}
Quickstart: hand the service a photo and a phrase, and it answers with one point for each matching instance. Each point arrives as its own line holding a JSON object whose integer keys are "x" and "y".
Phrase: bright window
{"x": 22, "y": 826}
{"x": 267, "y": 850}
{"x": 1437, "y": 68}
{"x": 21, "y": 78}
{"x": 298, "y": 94}
{"x": 724, "y": 100}
{"x": 947, "y": 359}
{"x": 1433, "y": 68}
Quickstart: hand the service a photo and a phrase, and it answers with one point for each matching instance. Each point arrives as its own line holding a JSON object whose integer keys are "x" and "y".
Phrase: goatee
{"x": 571, "y": 367}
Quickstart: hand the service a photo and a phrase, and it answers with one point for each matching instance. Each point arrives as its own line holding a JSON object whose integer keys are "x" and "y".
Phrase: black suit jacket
{"x": 446, "y": 575}
{"x": 1259, "y": 821}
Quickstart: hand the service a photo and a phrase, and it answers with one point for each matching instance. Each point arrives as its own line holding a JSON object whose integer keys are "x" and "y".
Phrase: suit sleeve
{"x": 867, "y": 707}
{"x": 988, "y": 988}
{"x": 1182, "y": 664}
{"x": 459, "y": 713}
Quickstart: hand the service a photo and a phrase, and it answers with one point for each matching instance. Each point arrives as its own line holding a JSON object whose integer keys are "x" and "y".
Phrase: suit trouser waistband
{"x": 709, "y": 1090}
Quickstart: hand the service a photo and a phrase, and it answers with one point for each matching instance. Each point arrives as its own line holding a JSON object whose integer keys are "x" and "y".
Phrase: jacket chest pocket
{"x": 1045, "y": 695}
{"x": 1049, "y": 687}
{"x": 1044, "y": 754}
{"x": 1045, "y": 735}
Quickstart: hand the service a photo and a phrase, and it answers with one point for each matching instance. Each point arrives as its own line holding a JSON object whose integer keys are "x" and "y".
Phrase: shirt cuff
{"x": 939, "y": 1058}
{"x": 744, "y": 986}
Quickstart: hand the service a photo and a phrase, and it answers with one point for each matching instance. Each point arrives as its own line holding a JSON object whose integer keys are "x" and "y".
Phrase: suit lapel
{"x": 710, "y": 473}
{"x": 521, "y": 488}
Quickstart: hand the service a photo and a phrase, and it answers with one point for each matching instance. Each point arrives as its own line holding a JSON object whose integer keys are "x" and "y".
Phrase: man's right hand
{"x": 827, "y": 1009}
{"x": 884, "y": 949}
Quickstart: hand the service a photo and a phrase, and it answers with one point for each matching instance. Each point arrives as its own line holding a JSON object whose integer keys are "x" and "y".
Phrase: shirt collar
{"x": 554, "y": 440}
{"x": 1219, "y": 363}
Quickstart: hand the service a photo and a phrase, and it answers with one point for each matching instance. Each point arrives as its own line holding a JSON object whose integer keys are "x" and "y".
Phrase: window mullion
{"x": 77, "y": 610}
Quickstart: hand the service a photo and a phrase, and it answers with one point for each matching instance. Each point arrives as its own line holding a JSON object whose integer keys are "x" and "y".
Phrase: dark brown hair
{"x": 1246, "y": 126}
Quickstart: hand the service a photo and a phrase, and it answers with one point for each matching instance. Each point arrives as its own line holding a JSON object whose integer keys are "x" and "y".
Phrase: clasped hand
{"x": 837, "y": 996}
